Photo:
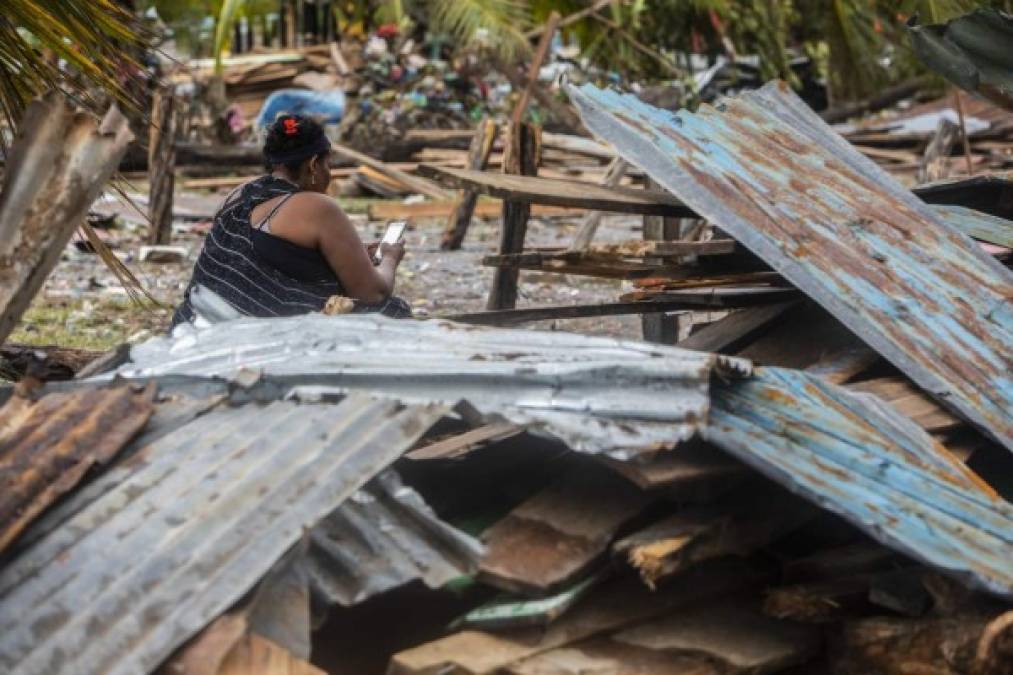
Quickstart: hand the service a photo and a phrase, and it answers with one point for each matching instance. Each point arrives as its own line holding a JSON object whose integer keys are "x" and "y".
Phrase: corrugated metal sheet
{"x": 972, "y": 51}
{"x": 768, "y": 171}
{"x": 210, "y": 508}
{"x": 851, "y": 454}
{"x": 385, "y": 536}
{"x": 47, "y": 446}
{"x": 597, "y": 394}
{"x": 977, "y": 224}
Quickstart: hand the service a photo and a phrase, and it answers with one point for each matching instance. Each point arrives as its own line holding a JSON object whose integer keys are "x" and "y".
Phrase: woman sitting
{"x": 280, "y": 246}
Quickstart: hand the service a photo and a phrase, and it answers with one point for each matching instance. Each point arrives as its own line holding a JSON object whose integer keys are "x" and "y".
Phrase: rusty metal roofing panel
{"x": 853, "y": 455}
{"x": 212, "y": 507}
{"x": 385, "y": 536}
{"x": 597, "y": 394}
{"x": 47, "y": 446}
{"x": 976, "y": 224}
{"x": 767, "y": 170}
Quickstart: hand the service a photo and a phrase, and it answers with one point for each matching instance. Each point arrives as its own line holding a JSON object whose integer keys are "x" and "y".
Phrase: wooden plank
{"x": 254, "y": 655}
{"x": 464, "y": 206}
{"x": 593, "y": 267}
{"x": 694, "y": 471}
{"x": 484, "y": 208}
{"x": 730, "y": 332}
{"x": 613, "y": 175}
{"x": 556, "y": 192}
{"x": 717, "y": 299}
{"x": 412, "y": 183}
{"x": 907, "y": 399}
{"x": 600, "y": 655}
{"x": 735, "y": 634}
{"x": 843, "y": 364}
{"x": 750, "y": 518}
{"x": 935, "y": 163}
{"x": 558, "y": 533}
{"x": 462, "y": 444}
{"x": 522, "y": 161}
{"x": 614, "y": 605}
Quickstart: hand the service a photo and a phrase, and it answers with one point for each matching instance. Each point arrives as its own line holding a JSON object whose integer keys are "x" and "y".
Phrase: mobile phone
{"x": 394, "y": 234}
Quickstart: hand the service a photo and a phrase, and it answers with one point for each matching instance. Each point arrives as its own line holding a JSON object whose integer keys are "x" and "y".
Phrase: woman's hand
{"x": 393, "y": 252}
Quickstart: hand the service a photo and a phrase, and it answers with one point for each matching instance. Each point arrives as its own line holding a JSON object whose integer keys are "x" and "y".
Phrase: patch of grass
{"x": 85, "y": 323}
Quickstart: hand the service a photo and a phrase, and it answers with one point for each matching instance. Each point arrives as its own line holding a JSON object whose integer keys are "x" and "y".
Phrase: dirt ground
{"x": 83, "y": 304}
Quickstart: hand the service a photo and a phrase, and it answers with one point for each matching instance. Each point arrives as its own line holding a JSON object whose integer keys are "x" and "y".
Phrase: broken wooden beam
{"x": 485, "y": 208}
{"x": 464, "y": 206}
{"x": 582, "y": 240}
{"x": 413, "y": 183}
{"x": 732, "y": 331}
{"x": 669, "y": 302}
{"x": 461, "y": 444}
{"x": 557, "y": 192}
{"x": 521, "y": 160}
{"x": 542, "y": 51}
{"x": 743, "y": 522}
{"x": 161, "y": 165}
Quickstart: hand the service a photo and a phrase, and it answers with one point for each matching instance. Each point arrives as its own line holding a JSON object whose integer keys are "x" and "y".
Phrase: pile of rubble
{"x": 816, "y": 482}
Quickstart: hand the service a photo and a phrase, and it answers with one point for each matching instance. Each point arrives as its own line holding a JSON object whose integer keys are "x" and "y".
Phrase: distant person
{"x": 280, "y": 246}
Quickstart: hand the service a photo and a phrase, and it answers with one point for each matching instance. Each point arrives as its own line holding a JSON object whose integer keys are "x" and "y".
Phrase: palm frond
{"x": 82, "y": 47}
{"x": 223, "y": 29}
{"x": 504, "y": 20}
{"x": 937, "y": 11}
{"x": 854, "y": 49}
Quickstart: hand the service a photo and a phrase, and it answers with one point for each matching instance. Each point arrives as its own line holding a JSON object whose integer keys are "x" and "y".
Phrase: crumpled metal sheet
{"x": 47, "y": 446}
{"x": 972, "y": 51}
{"x": 382, "y": 537}
{"x": 210, "y": 508}
{"x": 853, "y": 455}
{"x": 766, "y": 169}
{"x": 596, "y": 394}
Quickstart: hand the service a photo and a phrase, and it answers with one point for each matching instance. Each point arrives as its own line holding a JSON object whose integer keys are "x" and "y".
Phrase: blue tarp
{"x": 327, "y": 107}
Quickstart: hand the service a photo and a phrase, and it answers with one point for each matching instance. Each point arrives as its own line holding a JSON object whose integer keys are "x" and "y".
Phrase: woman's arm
{"x": 325, "y": 226}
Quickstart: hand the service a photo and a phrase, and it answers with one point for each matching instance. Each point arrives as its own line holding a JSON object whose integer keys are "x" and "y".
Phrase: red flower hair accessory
{"x": 291, "y": 126}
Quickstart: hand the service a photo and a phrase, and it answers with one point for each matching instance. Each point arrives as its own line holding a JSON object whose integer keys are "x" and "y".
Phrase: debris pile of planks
{"x": 818, "y": 483}
{"x": 352, "y": 493}
{"x": 926, "y": 141}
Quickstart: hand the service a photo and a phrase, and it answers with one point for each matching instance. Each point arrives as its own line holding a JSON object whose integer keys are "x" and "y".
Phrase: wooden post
{"x": 935, "y": 163}
{"x": 522, "y": 159}
{"x": 289, "y": 28}
{"x": 660, "y": 327}
{"x": 613, "y": 175}
{"x": 464, "y": 206}
{"x": 963, "y": 131}
{"x": 536, "y": 65}
{"x": 161, "y": 165}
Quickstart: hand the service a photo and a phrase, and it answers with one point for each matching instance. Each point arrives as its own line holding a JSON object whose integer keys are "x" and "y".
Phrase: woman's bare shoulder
{"x": 315, "y": 204}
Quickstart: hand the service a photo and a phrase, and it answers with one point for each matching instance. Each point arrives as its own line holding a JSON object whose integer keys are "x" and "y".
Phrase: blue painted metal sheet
{"x": 766, "y": 169}
{"x": 976, "y": 224}
{"x": 853, "y": 455}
